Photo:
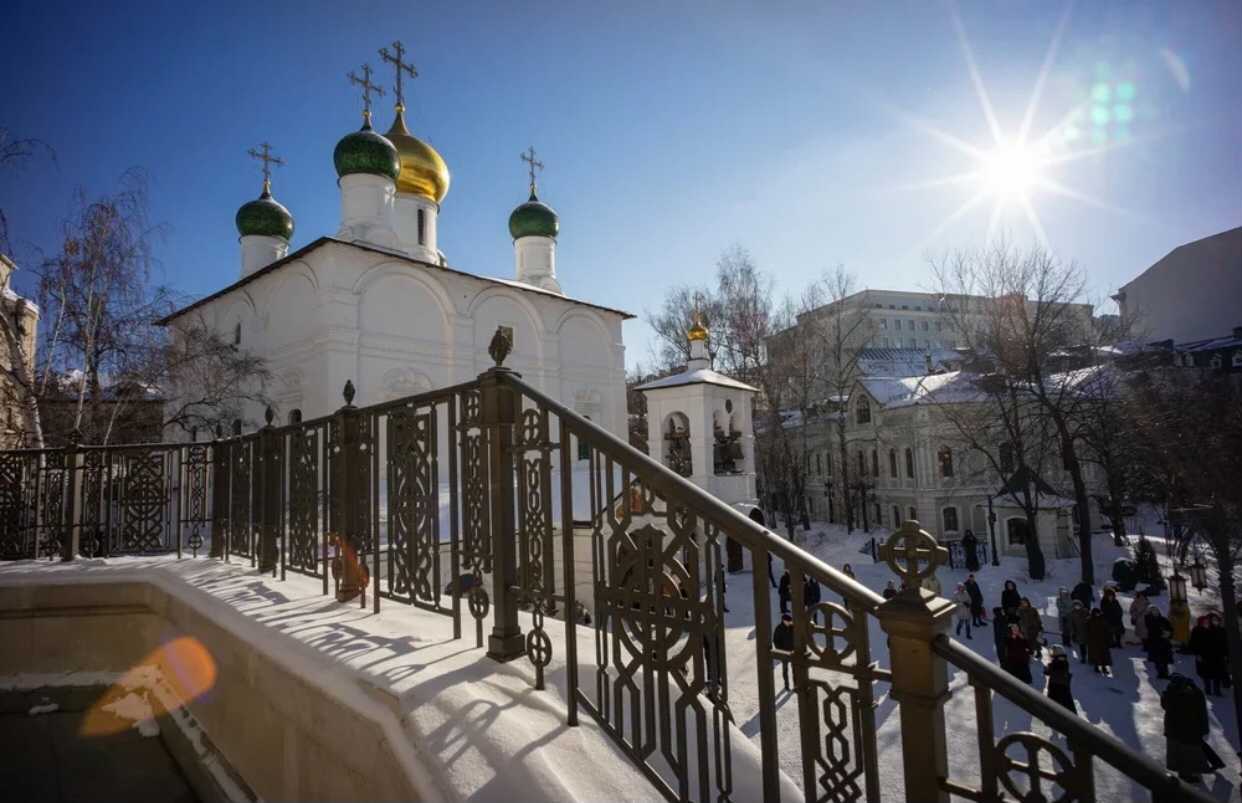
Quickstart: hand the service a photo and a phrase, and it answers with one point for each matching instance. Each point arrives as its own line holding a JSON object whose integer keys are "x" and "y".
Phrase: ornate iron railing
{"x": 532, "y": 508}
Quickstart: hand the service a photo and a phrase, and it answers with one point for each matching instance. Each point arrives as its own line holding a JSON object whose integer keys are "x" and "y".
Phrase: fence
{"x": 535, "y": 508}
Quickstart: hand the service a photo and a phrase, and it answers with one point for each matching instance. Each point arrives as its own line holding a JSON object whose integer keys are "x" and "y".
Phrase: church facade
{"x": 377, "y": 303}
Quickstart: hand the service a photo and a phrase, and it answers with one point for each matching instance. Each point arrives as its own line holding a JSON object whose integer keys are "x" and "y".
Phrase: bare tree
{"x": 15, "y": 153}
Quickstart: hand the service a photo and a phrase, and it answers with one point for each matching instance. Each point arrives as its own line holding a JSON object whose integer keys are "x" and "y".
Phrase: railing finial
{"x": 349, "y": 392}
{"x": 501, "y": 345}
{"x": 913, "y": 555}
{"x": 269, "y": 415}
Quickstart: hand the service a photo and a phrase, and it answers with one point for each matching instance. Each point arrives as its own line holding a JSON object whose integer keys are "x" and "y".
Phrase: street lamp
{"x": 1198, "y": 574}
{"x": 1177, "y": 588}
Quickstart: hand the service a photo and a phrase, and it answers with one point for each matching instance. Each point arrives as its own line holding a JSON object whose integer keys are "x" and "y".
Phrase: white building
{"x": 379, "y": 304}
{"x": 1193, "y": 293}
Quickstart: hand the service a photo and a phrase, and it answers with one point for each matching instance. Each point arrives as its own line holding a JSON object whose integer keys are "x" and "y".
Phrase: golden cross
{"x": 401, "y": 67}
{"x": 265, "y": 156}
{"x": 367, "y": 89}
{"x": 529, "y": 157}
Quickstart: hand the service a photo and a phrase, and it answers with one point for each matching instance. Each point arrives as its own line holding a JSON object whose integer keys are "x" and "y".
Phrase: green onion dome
{"x": 533, "y": 219}
{"x": 366, "y": 151}
{"x": 265, "y": 216}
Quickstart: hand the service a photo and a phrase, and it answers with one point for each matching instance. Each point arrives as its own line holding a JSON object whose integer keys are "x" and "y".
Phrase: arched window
{"x": 295, "y": 416}
{"x": 950, "y": 519}
{"x": 237, "y": 334}
{"x": 945, "y": 456}
{"x": 909, "y": 463}
{"x": 892, "y": 463}
{"x": 862, "y": 411}
{"x": 422, "y": 227}
{"x": 875, "y": 464}
{"x": 676, "y": 444}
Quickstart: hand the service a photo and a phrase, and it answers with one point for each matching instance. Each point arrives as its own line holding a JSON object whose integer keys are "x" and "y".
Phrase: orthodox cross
{"x": 532, "y": 165}
{"x": 401, "y": 67}
{"x": 367, "y": 89}
{"x": 265, "y": 156}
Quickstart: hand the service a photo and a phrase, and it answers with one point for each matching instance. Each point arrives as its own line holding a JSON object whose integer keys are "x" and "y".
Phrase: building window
{"x": 896, "y": 517}
{"x": 862, "y": 468}
{"x": 1016, "y": 530}
{"x": 862, "y": 412}
{"x": 819, "y": 464}
{"x": 422, "y": 227}
{"x": 878, "y": 514}
{"x": 237, "y": 334}
{"x": 892, "y": 463}
{"x": 1006, "y": 458}
{"x": 946, "y": 461}
{"x": 883, "y": 323}
{"x": 910, "y": 463}
{"x": 914, "y": 514}
{"x": 950, "y": 519}
{"x": 295, "y": 416}
{"x": 875, "y": 464}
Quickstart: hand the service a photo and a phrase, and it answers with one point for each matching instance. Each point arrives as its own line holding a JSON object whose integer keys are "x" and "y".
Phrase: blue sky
{"x": 801, "y": 131}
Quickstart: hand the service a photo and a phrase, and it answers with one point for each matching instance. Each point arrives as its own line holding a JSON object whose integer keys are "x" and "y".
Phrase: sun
{"x": 1010, "y": 172}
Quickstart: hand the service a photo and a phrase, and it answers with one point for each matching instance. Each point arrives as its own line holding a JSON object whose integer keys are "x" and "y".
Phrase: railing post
{"x": 69, "y": 534}
{"x": 219, "y": 493}
{"x": 349, "y": 496}
{"x": 913, "y": 619}
{"x": 498, "y": 409}
{"x": 269, "y": 493}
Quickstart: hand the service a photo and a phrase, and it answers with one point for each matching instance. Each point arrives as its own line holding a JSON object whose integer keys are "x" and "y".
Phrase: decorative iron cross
{"x": 401, "y": 67}
{"x": 367, "y": 89}
{"x": 265, "y": 156}
{"x": 909, "y": 547}
{"x": 532, "y": 165}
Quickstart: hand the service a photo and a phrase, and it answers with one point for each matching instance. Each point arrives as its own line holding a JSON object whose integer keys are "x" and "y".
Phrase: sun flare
{"x": 1010, "y": 172}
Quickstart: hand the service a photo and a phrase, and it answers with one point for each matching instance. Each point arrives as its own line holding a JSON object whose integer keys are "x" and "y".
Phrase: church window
{"x": 910, "y": 463}
{"x": 862, "y": 412}
{"x": 892, "y": 463}
{"x": 946, "y": 461}
{"x": 950, "y": 519}
{"x": 237, "y": 334}
{"x": 422, "y": 227}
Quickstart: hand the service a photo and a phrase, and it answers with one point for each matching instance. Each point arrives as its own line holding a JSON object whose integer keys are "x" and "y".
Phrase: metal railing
{"x": 535, "y": 508}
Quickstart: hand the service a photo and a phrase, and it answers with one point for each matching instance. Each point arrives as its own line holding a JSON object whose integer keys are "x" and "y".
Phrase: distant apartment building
{"x": 19, "y": 343}
{"x": 1192, "y": 294}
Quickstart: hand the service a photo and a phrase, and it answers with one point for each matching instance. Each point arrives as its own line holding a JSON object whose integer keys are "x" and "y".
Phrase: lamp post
{"x": 1198, "y": 574}
{"x": 1179, "y": 607}
{"x": 992, "y": 532}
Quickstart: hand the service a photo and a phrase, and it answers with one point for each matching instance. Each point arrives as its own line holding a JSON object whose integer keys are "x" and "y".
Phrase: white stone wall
{"x": 395, "y": 327}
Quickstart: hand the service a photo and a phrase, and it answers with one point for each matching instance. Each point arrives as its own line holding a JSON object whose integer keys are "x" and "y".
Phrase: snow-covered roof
{"x": 903, "y": 361}
{"x": 701, "y": 376}
{"x": 906, "y": 391}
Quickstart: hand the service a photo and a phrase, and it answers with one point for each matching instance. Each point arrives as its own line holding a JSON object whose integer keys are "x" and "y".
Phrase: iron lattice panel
{"x": 413, "y": 513}
{"x": 304, "y": 547}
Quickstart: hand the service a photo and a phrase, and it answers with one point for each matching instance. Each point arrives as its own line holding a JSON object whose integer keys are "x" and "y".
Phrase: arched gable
{"x": 502, "y": 306}
{"x": 396, "y": 300}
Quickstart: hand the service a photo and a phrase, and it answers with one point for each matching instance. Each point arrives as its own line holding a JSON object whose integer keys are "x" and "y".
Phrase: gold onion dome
{"x": 423, "y": 171}
{"x": 697, "y": 330}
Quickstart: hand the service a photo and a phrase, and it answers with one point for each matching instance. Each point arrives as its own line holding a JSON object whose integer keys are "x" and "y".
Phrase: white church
{"x": 379, "y": 304}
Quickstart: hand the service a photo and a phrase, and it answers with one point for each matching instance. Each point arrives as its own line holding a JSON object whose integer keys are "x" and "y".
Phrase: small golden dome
{"x": 423, "y": 171}
{"x": 697, "y": 330}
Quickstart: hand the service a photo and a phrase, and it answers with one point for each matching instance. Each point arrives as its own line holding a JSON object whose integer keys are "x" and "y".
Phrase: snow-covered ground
{"x": 1127, "y": 704}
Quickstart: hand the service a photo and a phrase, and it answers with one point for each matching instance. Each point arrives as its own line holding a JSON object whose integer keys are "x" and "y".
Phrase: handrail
{"x": 670, "y": 484}
{"x": 1093, "y": 740}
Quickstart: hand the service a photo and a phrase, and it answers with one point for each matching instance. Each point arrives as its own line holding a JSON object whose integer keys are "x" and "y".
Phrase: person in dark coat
{"x": 889, "y": 591}
{"x": 1159, "y": 640}
{"x": 1099, "y": 642}
{"x": 1113, "y": 613}
{"x": 1058, "y": 675}
{"x": 1032, "y": 626}
{"x": 1000, "y": 632}
{"x": 1185, "y": 726}
{"x": 976, "y": 600}
{"x": 811, "y": 595}
{"x": 970, "y": 546}
{"x": 783, "y": 639}
{"x": 1211, "y": 651}
{"x": 1010, "y": 598}
{"x": 784, "y": 592}
{"x": 1084, "y": 594}
{"x": 1079, "y": 616}
{"x": 1017, "y": 660}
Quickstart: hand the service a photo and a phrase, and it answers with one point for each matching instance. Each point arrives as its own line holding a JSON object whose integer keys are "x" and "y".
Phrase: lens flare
{"x": 1009, "y": 172}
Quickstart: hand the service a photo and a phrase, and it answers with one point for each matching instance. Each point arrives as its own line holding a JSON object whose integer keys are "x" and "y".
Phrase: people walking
{"x": 1079, "y": 616}
{"x": 1064, "y": 606}
{"x": 1058, "y": 676}
{"x": 848, "y": 571}
{"x": 970, "y": 546}
{"x": 1138, "y": 618}
{"x": 1099, "y": 642}
{"x": 1208, "y": 644}
{"x": 1000, "y": 632}
{"x": 976, "y": 600}
{"x": 1010, "y": 598}
{"x": 783, "y": 639}
{"x": 1159, "y": 640}
{"x": 811, "y": 595}
{"x": 1017, "y": 660}
{"x": 962, "y": 598}
{"x": 1111, "y": 608}
{"x": 1185, "y": 726}
{"x": 1032, "y": 625}
{"x": 1084, "y": 593}
{"x": 784, "y": 592}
